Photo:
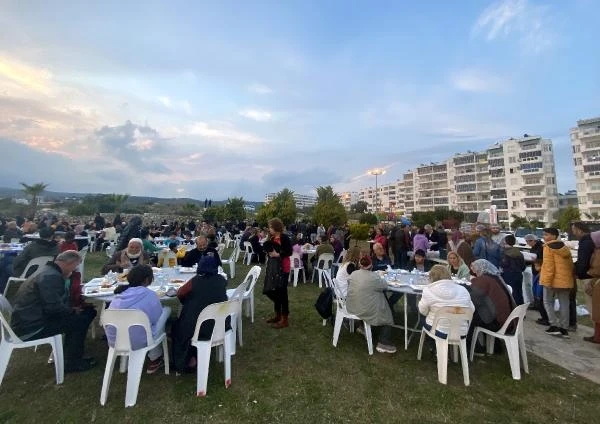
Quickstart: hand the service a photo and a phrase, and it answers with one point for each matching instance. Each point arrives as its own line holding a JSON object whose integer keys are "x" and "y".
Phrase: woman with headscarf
{"x": 206, "y": 288}
{"x": 349, "y": 265}
{"x": 129, "y": 257}
{"x": 457, "y": 267}
{"x": 489, "y": 293}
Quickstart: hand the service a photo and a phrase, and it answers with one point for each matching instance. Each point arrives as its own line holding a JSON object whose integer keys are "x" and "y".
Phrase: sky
{"x": 216, "y": 99}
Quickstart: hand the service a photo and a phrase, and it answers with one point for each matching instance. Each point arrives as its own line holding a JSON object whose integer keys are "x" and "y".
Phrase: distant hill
{"x": 59, "y": 196}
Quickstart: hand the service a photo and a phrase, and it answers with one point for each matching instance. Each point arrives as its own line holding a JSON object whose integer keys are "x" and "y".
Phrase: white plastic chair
{"x": 231, "y": 262}
{"x": 238, "y": 295}
{"x": 337, "y": 264}
{"x": 455, "y": 318}
{"x": 220, "y": 249}
{"x": 13, "y": 283}
{"x": 229, "y": 242}
{"x": 122, "y": 320}
{"x": 81, "y": 268}
{"x": 248, "y": 253}
{"x": 515, "y": 343}
{"x": 324, "y": 262}
{"x": 296, "y": 266}
{"x": 249, "y": 293}
{"x": 217, "y": 312}
{"x": 341, "y": 313}
{"x": 11, "y": 341}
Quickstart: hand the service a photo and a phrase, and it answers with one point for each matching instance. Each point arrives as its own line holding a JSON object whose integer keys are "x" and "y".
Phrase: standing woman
{"x": 279, "y": 250}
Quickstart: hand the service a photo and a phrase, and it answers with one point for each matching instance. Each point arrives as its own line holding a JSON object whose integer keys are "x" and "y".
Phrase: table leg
{"x": 405, "y": 322}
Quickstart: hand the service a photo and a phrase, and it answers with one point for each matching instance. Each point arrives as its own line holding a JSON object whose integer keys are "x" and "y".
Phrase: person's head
{"x": 201, "y": 242}
{"x": 79, "y": 229}
{"x": 47, "y": 233}
{"x": 550, "y": 234}
{"x": 173, "y": 247}
{"x": 208, "y": 265}
{"x": 187, "y": 235}
{"x": 144, "y": 233}
{"x": 530, "y": 239}
{"x": 68, "y": 261}
{"x": 510, "y": 240}
{"x": 495, "y": 229}
{"x": 275, "y": 226}
{"x": 11, "y": 225}
{"x": 364, "y": 262}
{"x": 134, "y": 248}
{"x": 428, "y": 229}
{"x": 140, "y": 275}
{"x": 439, "y": 272}
{"x": 421, "y": 230}
{"x": 353, "y": 255}
{"x": 454, "y": 259}
{"x": 378, "y": 231}
{"x": 482, "y": 266}
{"x": 173, "y": 236}
{"x": 69, "y": 237}
{"x": 323, "y": 239}
{"x": 419, "y": 256}
{"x": 537, "y": 264}
{"x": 332, "y": 239}
{"x": 579, "y": 229}
{"x": 378, "y": 250}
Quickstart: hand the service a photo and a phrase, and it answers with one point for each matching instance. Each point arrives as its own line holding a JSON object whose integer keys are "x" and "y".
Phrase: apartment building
{"x": 302, "y": 200}
{"x": 585, "y": 140}
{"x": 348, "y": 198}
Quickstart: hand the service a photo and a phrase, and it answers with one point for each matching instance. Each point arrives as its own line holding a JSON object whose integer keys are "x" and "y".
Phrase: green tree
{"x": 34, "y": 191}
{"x": 420, "y": 219}
{"x": 359, "y": 207}
{"x": 234, "y": 209}
{"x": 214, "y": 214}
{"x": 359, "y": 232}
{"x": 283, "y": 206}
{"x": 82, "y": 209}
{"x": 368, "y": 218}
{"x": 329, "y": 209}
{"x": 519, "y": 222}
{"x": 566, "y": 216}
{"x": 117, "y": 200}
{"x": 189, "y": 209}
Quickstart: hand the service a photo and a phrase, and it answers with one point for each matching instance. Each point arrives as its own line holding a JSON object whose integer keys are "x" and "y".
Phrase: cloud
{"x": 14, "y": 74}
{"x": 256, "y": 114}
{"x": 477, "y": 81}
{"x": 181, "y": 106}
{"x": 259, "y": 89}
{"x": 303, "y": 181}
{"x": 222, "y": 132}
{"x": 517, "y": 18}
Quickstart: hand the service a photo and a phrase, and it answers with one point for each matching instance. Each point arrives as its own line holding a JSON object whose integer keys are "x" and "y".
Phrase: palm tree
{"x": 34, "y": 191}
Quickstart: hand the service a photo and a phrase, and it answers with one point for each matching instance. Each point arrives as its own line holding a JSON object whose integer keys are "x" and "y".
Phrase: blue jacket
{"x": 489, "y": 250}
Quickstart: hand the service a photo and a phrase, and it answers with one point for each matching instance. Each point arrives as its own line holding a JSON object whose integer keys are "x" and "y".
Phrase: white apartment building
{"x": 517, "y": 176}
{"x": 387, "y": 197}
{"x": 585, "y": 140}
{"x": 302, "y": 200}
{"x": 348, "y": 198}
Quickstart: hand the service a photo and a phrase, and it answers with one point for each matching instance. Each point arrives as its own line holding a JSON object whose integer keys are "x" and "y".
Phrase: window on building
{"x": 550, "y": 180}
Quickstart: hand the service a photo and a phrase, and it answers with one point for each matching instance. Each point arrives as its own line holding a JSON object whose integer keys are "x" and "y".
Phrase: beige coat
{"x": 366, "y": 298}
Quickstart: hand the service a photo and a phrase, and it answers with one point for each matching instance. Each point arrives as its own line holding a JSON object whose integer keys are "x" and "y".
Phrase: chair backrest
{"x": 217, "y": 312}
{"x": 254, "y": 273}
{"x": 38, "y": 262}
{"x": 15, "y": 240}
{"x": 248, "y": 247}
{"x": 325, "y": 261}
{"x": 122, "y": 320}
{"x": 337, "y": 295}
{"x": 341, "y": 257}
{"x": 519, "y": 314}
{"x": 220, "y": 248}
{"x": 455, "y": 317}
{"x": 238, "y": 293}
{"x": 7, "y": 333}
{"x": 232, "y": 256}
{"x": 296, "y": 261}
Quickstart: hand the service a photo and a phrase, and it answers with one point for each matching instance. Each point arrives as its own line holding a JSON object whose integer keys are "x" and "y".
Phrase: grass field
{"x": 295, "y": 375}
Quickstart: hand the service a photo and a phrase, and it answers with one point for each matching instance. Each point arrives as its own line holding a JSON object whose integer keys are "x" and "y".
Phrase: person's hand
{"x": 274, "y": 254}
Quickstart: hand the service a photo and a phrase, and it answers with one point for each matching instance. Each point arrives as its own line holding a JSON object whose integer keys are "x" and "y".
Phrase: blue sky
{"x": 221, "y": 99}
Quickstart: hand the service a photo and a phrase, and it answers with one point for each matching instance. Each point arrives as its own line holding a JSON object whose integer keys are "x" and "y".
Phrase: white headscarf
{"x": 136, "y": 255}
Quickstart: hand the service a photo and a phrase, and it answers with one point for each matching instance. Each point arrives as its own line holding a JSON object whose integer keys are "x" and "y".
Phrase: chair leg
{"x": 369, "y": 335}
{"x": 134, "y": 375}
{"x": 464, "y": 361}
{"x": 339, "y": 318}
{"x": 489, "y": 342}
{"x": 455, "y": 353}
{"x": 239, "y": 330}
{"x": 227, "y": 344}
{"x": 512, "y": 347}
{"x": 473, "y": 343}
{"x": 108, "y": 370}
{"x": 123, "y": 364}
{"x": 523, "y": 351}
{"x": 165, "y": 348}
{"x": 252, "y": 307}
{"x": 421, "y": 341}
{"x": 5, "y": 353}
{"x": 442, "y": 360}
{"x": 203, "y": 360}
{"x": 59, "y": 359}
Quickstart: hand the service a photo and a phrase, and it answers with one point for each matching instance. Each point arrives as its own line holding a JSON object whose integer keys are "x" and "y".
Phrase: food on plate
{"x": 177, "y": 281}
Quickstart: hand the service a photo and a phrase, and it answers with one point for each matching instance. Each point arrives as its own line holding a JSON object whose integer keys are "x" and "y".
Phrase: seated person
{"x": 420, "y": 262}
{"x": 323, "y": 247}
{"x": 129, "y": 257}
{"x": 259, "y": 254}
{"x": 12, "y": 232}
{"x": 337, "y": 247}
{"x": 245, "y": 237}
{"x": 172, "y": 239}
{"x": 206, "y": 288}
{"x": 80, "y": 231}
{"x": 172, "y": 255}
{"x": 366, "y": 299}
{"x": 348, "y": 266}
{"x": 420, "y": 241}
{"x": 148, "y": 246}
{"x": 380, "y": 260}
{"x": 108, "y": 233}
{"x": 68, "y": 243}
{"x": 137, "y": 295}
{"x": 44, "y": 246}
{"x": 192, "y": 257}
{"x": 489, "y": 293}
{"x": 442, "y": 292}
{"x": 42, "y": 309}
{"x": 187, "y": 238}
{"x": 457, "y": 267}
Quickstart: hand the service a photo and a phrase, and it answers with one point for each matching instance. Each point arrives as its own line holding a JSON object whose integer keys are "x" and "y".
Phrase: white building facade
{"x": 585, "y": 141}
{"x": 302, "y": 200}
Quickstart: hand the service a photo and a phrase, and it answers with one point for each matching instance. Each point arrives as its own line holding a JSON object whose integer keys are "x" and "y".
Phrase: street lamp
{"x": 377, "y": 172}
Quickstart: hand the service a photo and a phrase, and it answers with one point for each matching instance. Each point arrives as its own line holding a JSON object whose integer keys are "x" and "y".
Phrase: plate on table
{"x": 397, "y": 284}
{"x": 417, "y": 287}
{"x": 187, "y": 270}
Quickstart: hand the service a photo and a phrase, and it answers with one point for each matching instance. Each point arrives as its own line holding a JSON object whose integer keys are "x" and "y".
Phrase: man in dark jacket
{"x": 584, "y": 255}
{"x": 41, "y": 309}
{"x": 537, "y": 248}
{"x": 44, "y": 246}
{"x": 513, "y": 265}
{"x": 192, "y": 257}
{"x": 403, "y": 242}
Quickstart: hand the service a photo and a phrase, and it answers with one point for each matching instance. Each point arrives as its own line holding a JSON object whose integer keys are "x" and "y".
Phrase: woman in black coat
{"x": 279, "y": 249}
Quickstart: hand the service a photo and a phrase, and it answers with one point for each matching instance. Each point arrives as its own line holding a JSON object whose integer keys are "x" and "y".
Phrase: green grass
{"x": 295, "y": 375}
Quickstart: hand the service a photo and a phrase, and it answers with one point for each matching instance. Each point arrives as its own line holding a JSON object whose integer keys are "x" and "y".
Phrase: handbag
{"x": 273, "y": 275}
{"x": 324, "y": 303}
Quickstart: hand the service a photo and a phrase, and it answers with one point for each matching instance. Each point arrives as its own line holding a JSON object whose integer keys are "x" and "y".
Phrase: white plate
{"x": 187, "y": 270}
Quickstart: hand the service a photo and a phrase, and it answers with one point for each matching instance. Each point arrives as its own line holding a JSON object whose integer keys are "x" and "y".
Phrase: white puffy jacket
{"x": 440, "y": 294}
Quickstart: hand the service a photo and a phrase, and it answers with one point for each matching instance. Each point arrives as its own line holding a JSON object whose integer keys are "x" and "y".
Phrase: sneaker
{"x": 553, "y": 331}
{"x": 543, "y": 322}
{"x": 383, "y": 348}
{"x": 564, "y": 333}
{"x": 155, "y": 365}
